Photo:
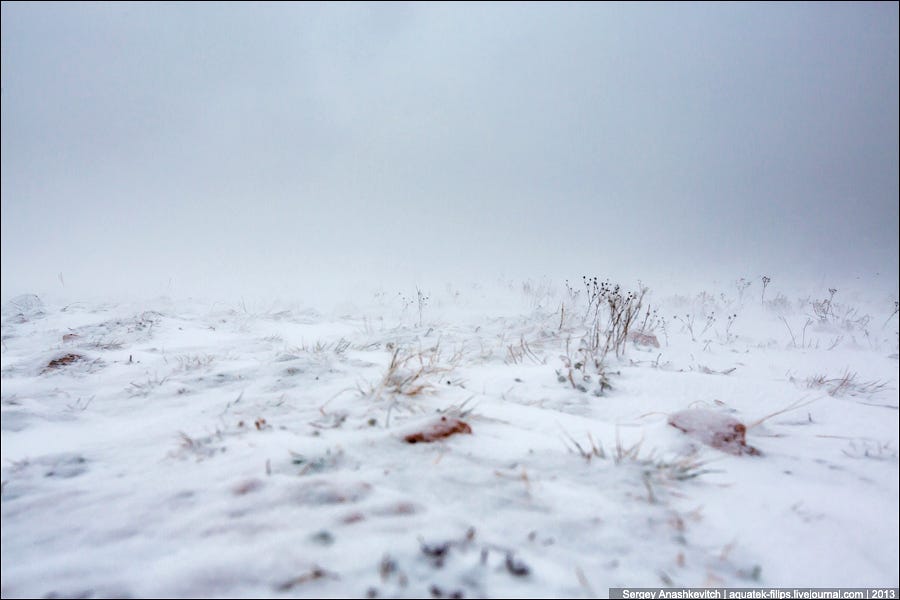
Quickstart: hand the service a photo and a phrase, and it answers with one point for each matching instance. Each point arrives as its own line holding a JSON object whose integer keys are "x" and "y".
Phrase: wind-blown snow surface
{"x": 190, "y": 449}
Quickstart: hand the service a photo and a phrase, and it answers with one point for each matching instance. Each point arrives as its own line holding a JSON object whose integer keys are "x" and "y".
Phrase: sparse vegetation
{"x": 871, "y": 449}
{"x": 730, "y": 337}
{"x": 794, "y": 343}
{"x": 380, "y": 425}
{"x": 687, "y": 322}
{"x": 199, "y": 447}
{"x": 824, "y": 309}
{"x": 106, "y": 344}
{"x": 193, "y": 362}
{"x": 142, "y": 389}
{"x": 654, "y": 472}
{"x": 893, "y": 314}
{"x": 847, "y": 384}
{"x": 420, "y": 301}
{"x": 611, "y": 312}
{"x": 742, "y": 284}
{"x": 584, "y": 370}
{"x": 518, "y": 353}
{"x": 412, "y": 373}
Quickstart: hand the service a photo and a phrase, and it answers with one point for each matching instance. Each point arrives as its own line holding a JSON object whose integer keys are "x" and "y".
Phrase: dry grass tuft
{"x": 847, "y": 384}
{"x": 414, "y": 373}
{"x": 655, "y": 473}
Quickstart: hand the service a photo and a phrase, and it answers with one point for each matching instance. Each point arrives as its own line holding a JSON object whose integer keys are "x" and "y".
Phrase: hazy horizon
{"x": 268, "y": 148}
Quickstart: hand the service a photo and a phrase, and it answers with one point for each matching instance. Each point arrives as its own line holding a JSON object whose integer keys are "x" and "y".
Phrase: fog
{"x": 276, "y": 149}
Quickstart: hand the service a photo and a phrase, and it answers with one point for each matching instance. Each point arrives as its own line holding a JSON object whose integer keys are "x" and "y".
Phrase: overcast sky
{"x": 224, "y": 148}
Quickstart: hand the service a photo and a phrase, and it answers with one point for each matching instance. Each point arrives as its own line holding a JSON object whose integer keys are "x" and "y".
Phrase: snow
{"x": 189, "y": 448}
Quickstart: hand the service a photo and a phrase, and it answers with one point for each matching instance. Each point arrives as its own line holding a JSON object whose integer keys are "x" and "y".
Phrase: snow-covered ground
{"x": 182, "y": 448}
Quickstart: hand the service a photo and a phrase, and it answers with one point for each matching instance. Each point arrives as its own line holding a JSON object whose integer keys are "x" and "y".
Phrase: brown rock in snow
{"x": 438, "y": 430}
{"x": 714, "y": 429}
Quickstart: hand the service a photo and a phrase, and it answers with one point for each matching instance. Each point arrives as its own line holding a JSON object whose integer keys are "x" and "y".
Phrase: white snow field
{"x": 180, "y": 449}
